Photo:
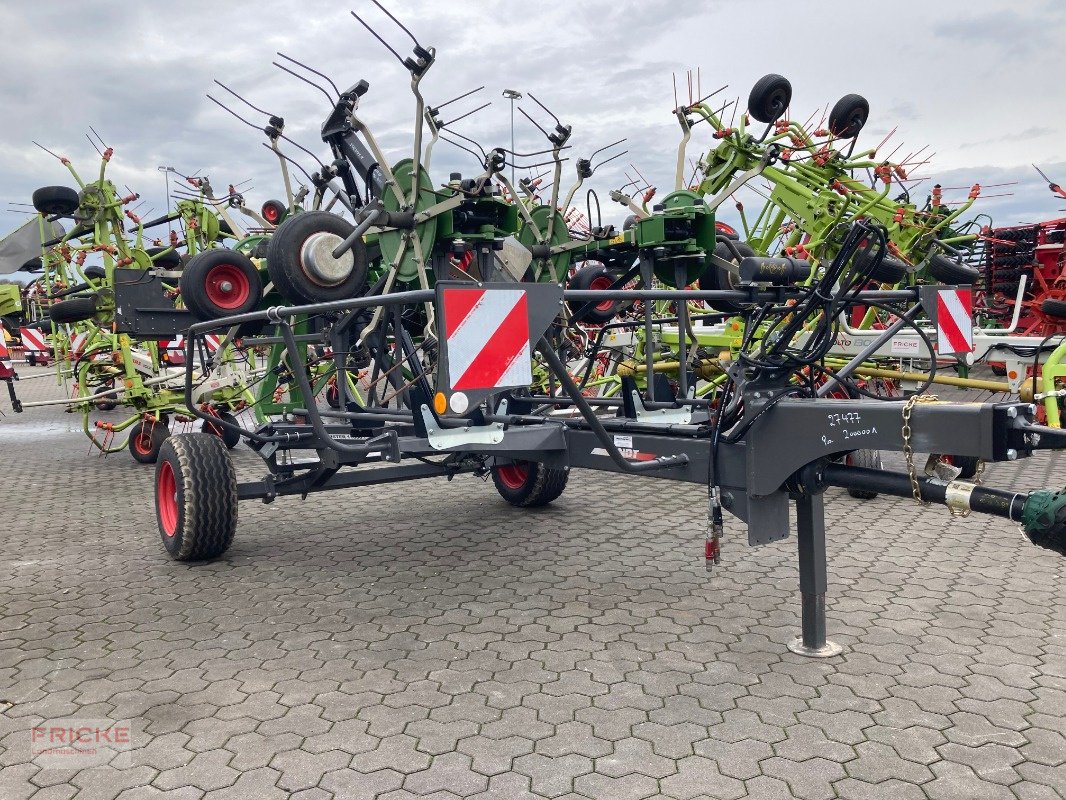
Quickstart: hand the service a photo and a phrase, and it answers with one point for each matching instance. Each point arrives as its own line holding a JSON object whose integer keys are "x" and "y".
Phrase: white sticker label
{"x": 905, "y": 347}
{"x": 623, "y": 442}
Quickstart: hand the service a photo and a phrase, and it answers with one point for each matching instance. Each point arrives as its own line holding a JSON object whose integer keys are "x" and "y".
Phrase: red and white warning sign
{"x": 487, "y": 333}
{"x": 77, "y": 343}
{"x": 6, "y": 370}
{"x": 33, "y": 340}
{"x": 954, "y": 321}
{"x": 211, "y": 341}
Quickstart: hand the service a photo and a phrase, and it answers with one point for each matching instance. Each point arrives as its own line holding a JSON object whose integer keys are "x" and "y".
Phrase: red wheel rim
{"x": 227, "y": 286}
{"x": 513, "y": 476}
{"x": 166, "y": 498}
{"x": 142, "y": 441}
{"x": 600, "y": 283}
{"x": 270, "y": 213}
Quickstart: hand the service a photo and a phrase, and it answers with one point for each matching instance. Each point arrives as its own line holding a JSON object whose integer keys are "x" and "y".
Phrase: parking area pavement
{"x": 428, "y": 640}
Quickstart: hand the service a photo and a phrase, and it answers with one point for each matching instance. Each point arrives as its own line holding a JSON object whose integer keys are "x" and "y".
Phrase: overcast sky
{"x": 980, "y": 82}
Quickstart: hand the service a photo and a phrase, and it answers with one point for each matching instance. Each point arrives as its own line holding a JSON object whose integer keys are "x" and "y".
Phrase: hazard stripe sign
{"x": 487, "y": 336}
{"x": 6, "y": 370}
{"x": 33, "y": 340}
{"x": 954, "y": 321}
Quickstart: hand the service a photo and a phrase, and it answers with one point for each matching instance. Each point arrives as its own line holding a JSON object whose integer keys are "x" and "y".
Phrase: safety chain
{"x": 908, "y": 451}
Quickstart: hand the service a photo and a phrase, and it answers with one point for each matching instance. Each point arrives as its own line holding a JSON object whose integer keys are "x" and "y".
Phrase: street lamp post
{"x": 512, "y": 95}
{"x": 166, "y": 175}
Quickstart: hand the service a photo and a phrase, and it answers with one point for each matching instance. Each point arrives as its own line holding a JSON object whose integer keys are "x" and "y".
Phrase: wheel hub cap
{"x": 319, "y": 263}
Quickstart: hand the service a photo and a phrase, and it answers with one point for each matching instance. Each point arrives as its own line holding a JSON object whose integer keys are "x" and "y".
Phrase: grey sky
{"x": 978, "y": 81}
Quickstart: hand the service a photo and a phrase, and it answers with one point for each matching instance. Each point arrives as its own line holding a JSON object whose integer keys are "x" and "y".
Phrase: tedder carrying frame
{"x": 463, "y": 402}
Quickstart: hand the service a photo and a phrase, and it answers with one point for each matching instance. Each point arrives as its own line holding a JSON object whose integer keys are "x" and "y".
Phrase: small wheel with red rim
{"x": 333, "y": 395}
{"x": 195, "y": 497}
{"x": 220, "y": 283}
{"x": 274, "y": 211}
{"x": 229, "y": 437}
{"x": 528, "y": 484}
{"x": 597, "y": 278}
{"x": 146, "y": 439}
{"x": 967, "y": 465}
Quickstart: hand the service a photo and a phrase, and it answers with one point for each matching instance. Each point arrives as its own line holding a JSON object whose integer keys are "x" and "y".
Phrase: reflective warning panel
{"x": 488, "y": 335}
{"x": 487, "y": 332}
{"x": 954, "y": 321}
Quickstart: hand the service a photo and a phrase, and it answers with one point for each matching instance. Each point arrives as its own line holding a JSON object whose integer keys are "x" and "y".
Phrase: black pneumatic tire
{"x": 1054, "y": 308}
{"x": 290, "y": 275}
{"x": 195, "y": 497}
{"x": 868, "y": 459}
{"x": 950, "y": 272}
{"x": 220, "y": 283}
{"x": 77, "y": 309}
{"x": 769, "y": 98}
{"x": 274, "y": 211}
{"x": 889, "y": 270}
{"x": 147, "y": 439}
{"x": 967, "y": 465}
{"x": 848, "y": 116}
{"x": 230, "y": 438}
{"x": 60, "y": 200}
{"x": 594, "y": 276}
{"x": 529, "y": 484}
{"x": 171, "y": 258}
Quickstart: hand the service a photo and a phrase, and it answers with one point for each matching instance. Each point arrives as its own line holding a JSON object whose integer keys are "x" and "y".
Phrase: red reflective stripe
{"x": 504, "y": 345}
{"x": 957, "y": 340}
{"x": 458, "y": 303}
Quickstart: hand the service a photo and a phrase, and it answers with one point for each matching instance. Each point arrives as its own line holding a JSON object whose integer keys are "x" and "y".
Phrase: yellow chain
{"x": 908, "y": 451}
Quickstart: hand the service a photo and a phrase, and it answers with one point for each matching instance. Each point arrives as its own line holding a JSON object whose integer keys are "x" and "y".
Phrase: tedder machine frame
{"x": 772, "y": 437}
{"x": 452, "y": 329}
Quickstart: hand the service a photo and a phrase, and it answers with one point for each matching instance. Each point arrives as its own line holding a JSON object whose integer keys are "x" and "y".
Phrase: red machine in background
{"x": 1037, "y": 254}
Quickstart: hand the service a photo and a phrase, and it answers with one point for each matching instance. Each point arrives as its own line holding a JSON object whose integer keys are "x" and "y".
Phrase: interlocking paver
{"x": 481, "y": 651}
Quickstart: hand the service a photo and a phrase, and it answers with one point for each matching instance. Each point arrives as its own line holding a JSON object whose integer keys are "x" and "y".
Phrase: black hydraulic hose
{"x": 981, "y": 499}
{"x": 594, "y": 423}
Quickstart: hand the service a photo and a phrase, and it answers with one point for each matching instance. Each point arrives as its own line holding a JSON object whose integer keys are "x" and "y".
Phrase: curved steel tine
{"x": 323, "y": 76}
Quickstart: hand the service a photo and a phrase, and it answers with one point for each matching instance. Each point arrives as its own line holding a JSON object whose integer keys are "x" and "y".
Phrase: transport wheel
{"x": 715, "y": 278}
{"x": 220, "y": 283}
{"x": 1053, "y": 308}
{"x": 109, "y": 402}
{"x": 195, "y": 497}
{"x": 77, "y": 309}
{"x": 60, "y": 200}
{"x": 333, "y": 396}
{"x": 229, "y": 438}
{"x": 869, "y": 459}
{"x": 769, "y": 98}
{"x": 171, "y": 258}
{"x": 967, "y": 465}
{"x": 848, "y": 116}
{"x": 96, "y": 273}
{"x": 274, "y": 211}
{"x": 528, "y": 484}
{"x": 951, "y": 272}
{"x": 301, "y": 264}
{"x": 594, "y": 277}
{"x": 889, "y": 270}
{"x": 146, "y": 440}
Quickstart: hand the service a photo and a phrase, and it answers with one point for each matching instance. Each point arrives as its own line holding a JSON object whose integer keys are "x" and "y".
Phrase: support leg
{"x": 810, "y": 517}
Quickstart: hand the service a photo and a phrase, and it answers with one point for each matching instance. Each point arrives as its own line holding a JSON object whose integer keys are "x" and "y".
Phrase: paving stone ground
{"x": 427, "y": 640}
